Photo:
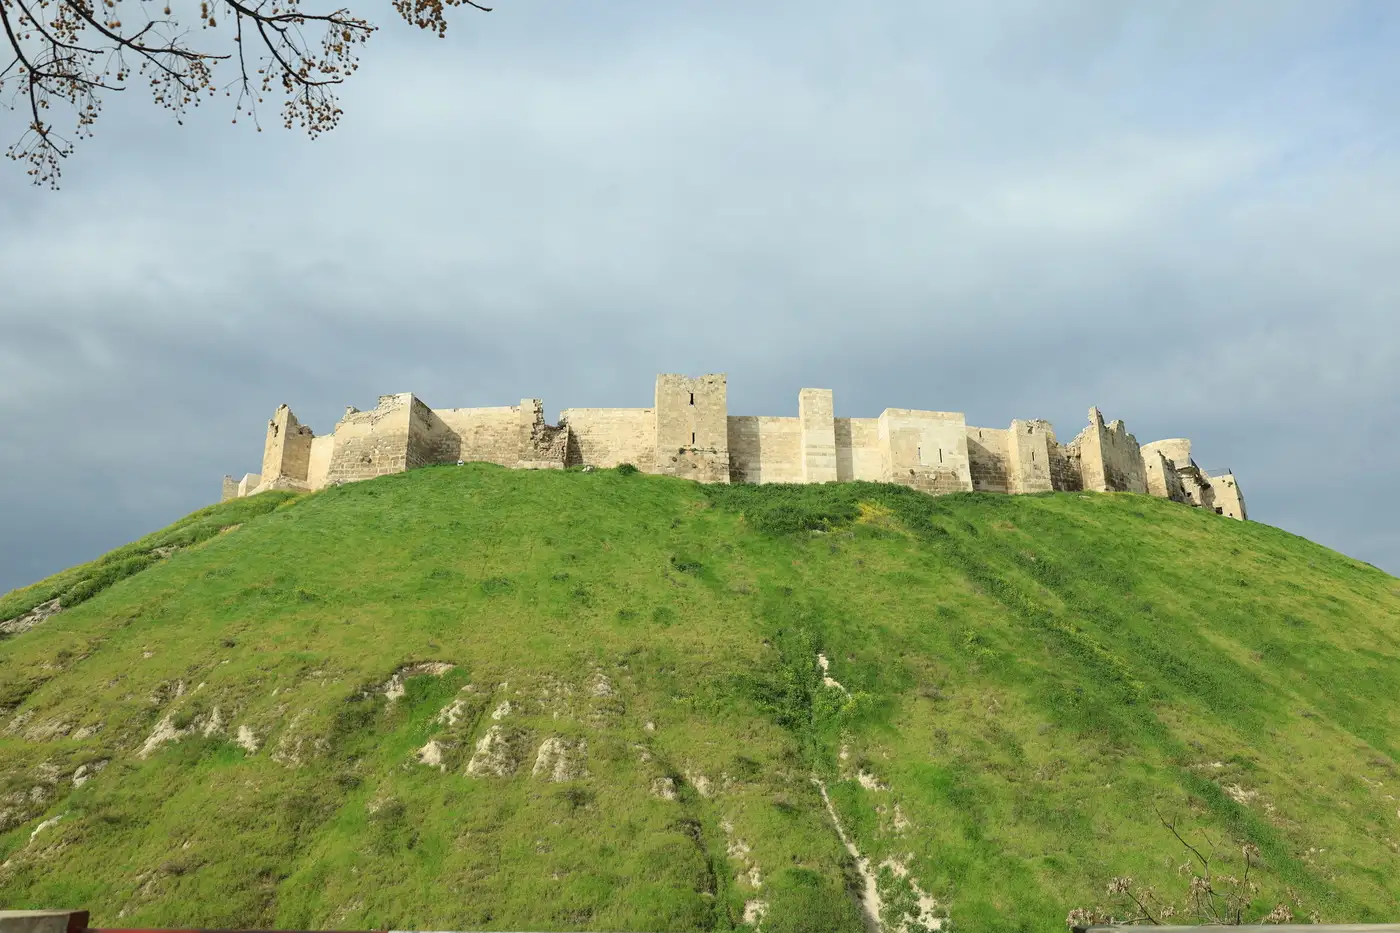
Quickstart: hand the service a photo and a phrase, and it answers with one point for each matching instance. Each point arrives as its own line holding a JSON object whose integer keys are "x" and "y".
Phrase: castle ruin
{"x": 688, "y": 432}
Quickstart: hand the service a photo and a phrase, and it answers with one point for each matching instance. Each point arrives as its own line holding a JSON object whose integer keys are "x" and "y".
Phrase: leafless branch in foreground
{"x": 1210, "y": 897}
{"x": 74, "y": 50}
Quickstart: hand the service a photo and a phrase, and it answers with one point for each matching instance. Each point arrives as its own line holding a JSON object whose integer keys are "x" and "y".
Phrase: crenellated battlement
{"x": 688, "y": 432}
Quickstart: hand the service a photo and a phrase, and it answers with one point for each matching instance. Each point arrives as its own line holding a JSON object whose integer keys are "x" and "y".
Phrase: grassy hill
{"x": 476, "y": 698}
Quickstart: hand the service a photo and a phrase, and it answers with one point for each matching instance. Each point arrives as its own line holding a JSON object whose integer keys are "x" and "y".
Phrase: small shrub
{"x": 746, "y": 768}
{"x": 103, "y": 576}
{"x": 347, "y": 781}
{"x": 495, "y": 585}
{"x": 15, "y": 690}
{"x": 626, "y": 469}
{"x": 684, "y": 565}
{"x": 577, "y": 798}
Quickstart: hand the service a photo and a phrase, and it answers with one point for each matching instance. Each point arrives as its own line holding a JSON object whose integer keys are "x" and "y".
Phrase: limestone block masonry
{"x": 688, "y": 432}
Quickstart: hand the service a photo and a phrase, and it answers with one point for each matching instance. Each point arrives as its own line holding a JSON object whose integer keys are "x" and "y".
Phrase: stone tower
{"x": 692, "y": 427}
{"x": 287, "y": 450}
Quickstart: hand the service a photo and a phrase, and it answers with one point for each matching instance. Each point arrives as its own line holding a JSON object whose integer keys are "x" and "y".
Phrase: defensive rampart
{"x": 688, "y": 432}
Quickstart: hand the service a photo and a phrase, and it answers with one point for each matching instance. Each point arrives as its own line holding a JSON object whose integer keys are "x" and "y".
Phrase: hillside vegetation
{"x": 475, "y": 698}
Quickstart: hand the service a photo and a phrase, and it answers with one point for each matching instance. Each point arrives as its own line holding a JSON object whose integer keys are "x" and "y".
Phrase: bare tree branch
{"x": 1205, "y": 864}
{"x": 70, "y": 50}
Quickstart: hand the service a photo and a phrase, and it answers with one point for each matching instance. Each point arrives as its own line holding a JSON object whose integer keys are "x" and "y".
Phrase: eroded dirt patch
{"x": 394, "y": 687}
{"x": 498, "y": 753}
{"x": 560, "y": 759}
{"x": 431, "y": 755}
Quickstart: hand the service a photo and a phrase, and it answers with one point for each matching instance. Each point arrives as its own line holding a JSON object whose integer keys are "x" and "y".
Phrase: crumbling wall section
{"x": 692, "y": 427}
{"x": 1111, "y": 460}
{"x": 607, "y": 437}
{"x": 1066, "y": 465}
{"x": 1122, "y": 460}
{"x": 1196, "y": 486}
{"x": 858, "y": 449}
{"x": 230, "y": 490}
{"x": 989, "y": 459}
{"x": 765, "y": 450}
{"x": 1161, "y": 475}
{"x": 542, "y": 446}
{"x": 372, "y": 443}
{"x": 925, "y": 449}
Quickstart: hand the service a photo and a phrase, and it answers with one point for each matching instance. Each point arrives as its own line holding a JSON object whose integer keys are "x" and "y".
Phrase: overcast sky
{"x": 1185, "y": 213}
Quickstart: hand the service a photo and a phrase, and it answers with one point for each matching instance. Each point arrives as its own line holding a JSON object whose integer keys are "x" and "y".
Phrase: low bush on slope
{"x": 476, "y": 698}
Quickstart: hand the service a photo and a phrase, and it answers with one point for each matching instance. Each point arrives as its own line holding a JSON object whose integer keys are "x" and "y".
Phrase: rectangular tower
{"x": 692, "y": 427}
{"x": 287, "y": 450}
{"x": 925, "y": 449}
{"x": 1028, "y": 453}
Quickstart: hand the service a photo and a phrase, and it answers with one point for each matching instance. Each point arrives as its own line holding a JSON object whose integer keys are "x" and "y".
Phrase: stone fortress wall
{"x": 688, "y": 432}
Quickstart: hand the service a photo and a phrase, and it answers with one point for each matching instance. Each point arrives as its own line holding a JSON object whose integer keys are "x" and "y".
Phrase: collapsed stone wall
{"x": 541, "y": 446}
{"x": 1196, "y": 485}
{"x": 1110, "y": 458}
{"x": 689, "y": 433}
{"x": 371, "y": 443}
{"x": 1163, "y": 480}
{"x": 1181, "y": 477}
{"x": 1066, "y": 473}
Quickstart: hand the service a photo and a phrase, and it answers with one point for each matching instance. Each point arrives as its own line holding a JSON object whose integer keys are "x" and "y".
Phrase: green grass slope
{"x": 261, "y": 728}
